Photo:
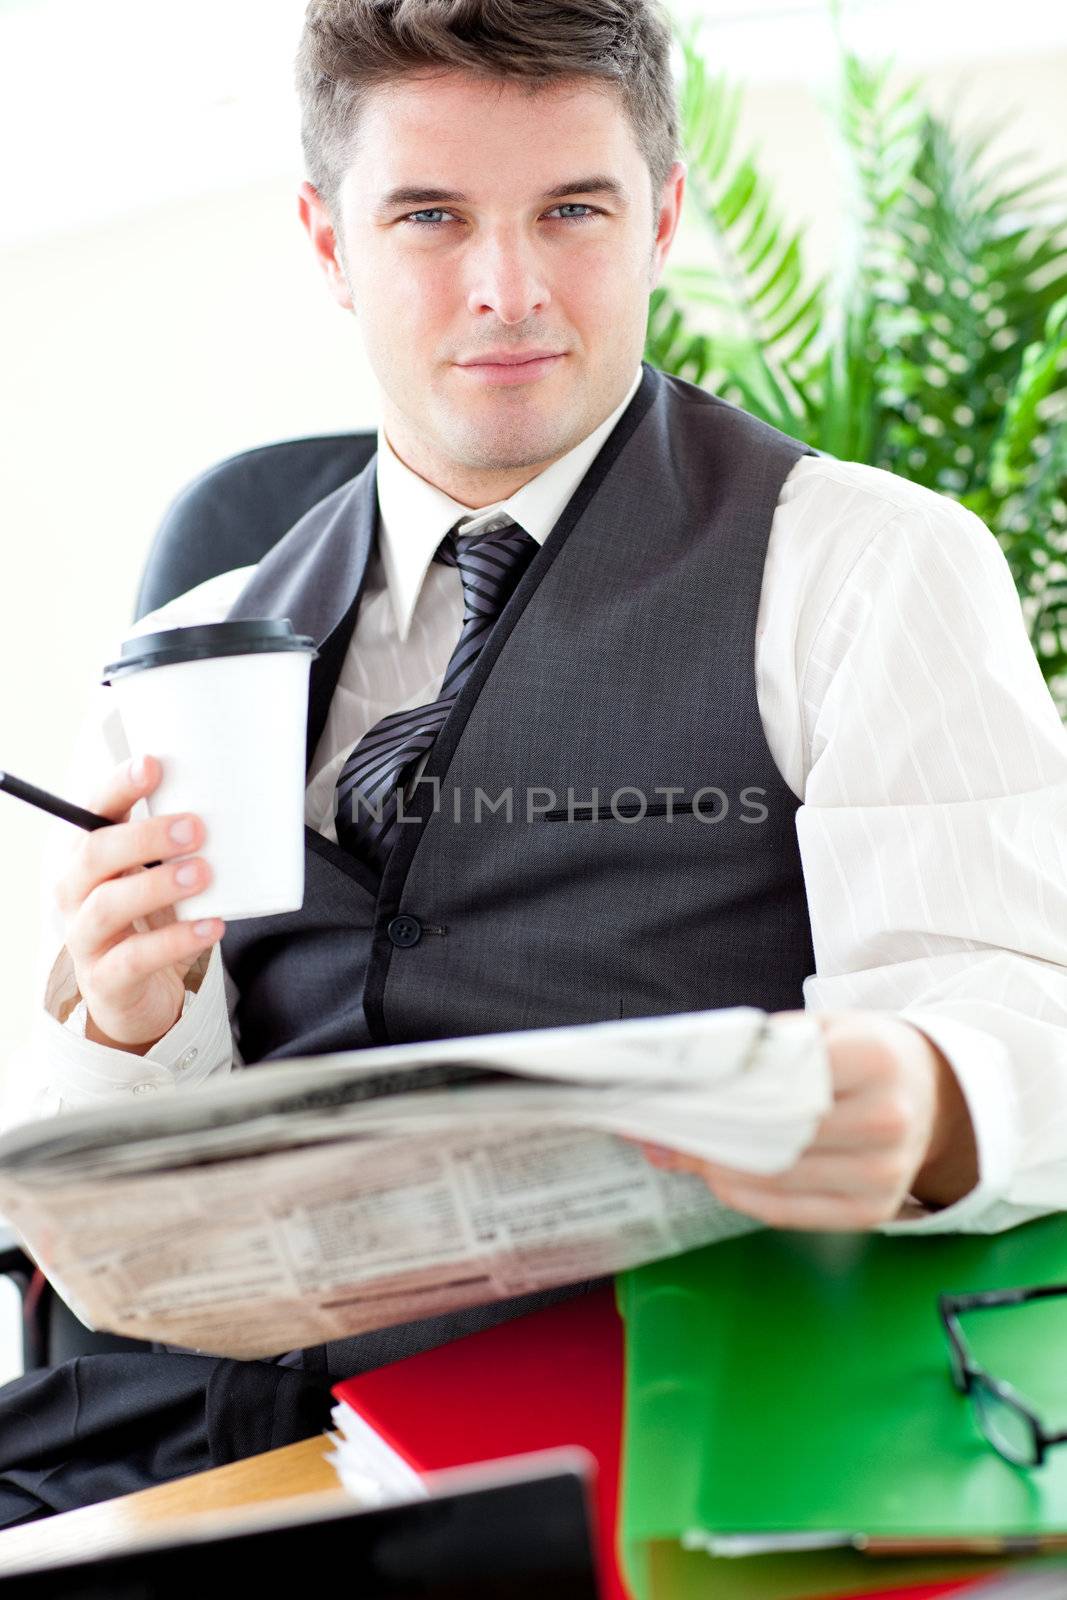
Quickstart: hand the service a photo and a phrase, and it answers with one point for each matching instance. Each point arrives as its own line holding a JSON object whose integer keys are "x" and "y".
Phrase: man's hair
{"x": 349, "y": 47}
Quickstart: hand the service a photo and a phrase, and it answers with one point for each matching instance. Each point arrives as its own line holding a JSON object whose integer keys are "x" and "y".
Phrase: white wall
{"x": 169, "y": 328}
{"x": 134, "y": 354}
{"x": 792, "y": 124}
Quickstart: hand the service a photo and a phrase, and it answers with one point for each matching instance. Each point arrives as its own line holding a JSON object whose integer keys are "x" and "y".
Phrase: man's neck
{"x": 471, "y": 486}
{"x": 468, "y": 487}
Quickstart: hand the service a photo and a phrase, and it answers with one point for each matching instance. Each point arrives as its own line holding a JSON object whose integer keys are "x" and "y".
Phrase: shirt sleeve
{"x": 58, "y": 1069}
{"x": 933, "y": 836}
{"x": 55, "y": 1068}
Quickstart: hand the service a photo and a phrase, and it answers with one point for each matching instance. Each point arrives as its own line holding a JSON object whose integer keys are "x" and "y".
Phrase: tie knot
{"x": 490, "y": 563}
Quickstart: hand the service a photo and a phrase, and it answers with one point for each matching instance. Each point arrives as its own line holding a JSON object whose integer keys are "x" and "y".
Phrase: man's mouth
{"x": 512, "y": 369}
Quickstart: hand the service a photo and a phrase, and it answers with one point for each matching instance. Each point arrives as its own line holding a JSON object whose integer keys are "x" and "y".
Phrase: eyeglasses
{"x": 1005, "y": 1419}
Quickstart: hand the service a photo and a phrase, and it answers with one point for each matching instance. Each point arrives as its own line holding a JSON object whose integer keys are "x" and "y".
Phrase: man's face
{"x": 499, "y": 246}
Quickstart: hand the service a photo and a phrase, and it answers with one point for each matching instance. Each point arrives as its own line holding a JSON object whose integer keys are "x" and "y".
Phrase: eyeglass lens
{"x": 1007, "y": 1429}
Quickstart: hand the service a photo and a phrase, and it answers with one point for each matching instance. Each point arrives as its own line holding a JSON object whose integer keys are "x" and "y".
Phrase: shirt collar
{"x": 415, "y": 516}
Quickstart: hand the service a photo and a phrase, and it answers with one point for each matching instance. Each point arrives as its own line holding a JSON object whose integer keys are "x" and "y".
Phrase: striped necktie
{"x": 490, "y": 565}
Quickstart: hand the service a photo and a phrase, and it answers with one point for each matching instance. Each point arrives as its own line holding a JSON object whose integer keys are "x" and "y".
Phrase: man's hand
{"x": 133, "y": 978}
{"x": 898, "y": 1125}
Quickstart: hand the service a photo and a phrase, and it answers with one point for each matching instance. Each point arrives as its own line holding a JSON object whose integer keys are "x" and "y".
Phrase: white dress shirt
{"x": 904, "y": 707}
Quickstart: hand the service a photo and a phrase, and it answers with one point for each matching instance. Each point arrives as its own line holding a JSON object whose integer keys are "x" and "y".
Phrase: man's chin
{"x": 497, "y": 444}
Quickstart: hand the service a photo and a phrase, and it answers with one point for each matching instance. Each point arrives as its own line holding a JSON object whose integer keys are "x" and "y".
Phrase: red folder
{"x": 535, "y": 1383}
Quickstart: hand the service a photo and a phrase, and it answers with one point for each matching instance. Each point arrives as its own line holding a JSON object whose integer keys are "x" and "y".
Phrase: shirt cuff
{"x": 82, "y": 1073}
{"x": 982, "y": 1068}
{"x": 78, "y": 1020}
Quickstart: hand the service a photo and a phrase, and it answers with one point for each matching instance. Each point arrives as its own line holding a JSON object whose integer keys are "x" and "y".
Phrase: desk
{"x": 296, "y": 1470}
{"x": 246, "y": 1490}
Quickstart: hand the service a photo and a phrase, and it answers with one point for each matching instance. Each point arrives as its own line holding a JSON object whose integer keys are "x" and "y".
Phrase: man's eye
{"x": 576, "y": 205}
{"x": 433, "y": 213}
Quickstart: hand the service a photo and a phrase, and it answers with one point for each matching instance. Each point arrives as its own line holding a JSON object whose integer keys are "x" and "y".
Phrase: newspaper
{"x": 307, "y": 1200}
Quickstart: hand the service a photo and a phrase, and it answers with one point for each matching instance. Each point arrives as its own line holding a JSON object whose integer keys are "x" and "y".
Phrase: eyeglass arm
{"x": 953, "y": 1304}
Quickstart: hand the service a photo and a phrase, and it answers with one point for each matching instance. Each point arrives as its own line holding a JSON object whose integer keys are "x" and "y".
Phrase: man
{"x": 566, "y": 574}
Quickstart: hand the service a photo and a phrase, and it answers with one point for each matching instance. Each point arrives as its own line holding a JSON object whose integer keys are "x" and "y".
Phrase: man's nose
{"x": 507, "y": 276}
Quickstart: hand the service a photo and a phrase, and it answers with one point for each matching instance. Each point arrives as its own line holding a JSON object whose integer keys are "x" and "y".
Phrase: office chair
{"x": 228, "y": 517}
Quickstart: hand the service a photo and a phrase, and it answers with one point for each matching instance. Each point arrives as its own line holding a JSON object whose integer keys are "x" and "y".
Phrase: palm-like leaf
{"x": 973, "y": 305}
{"x": 1025, "y": 498}
{"x": 670, "y": 345}
{"x": 940, "y": 349}
{"x": 880, "y": 129}
{"x": 761, "y": 314}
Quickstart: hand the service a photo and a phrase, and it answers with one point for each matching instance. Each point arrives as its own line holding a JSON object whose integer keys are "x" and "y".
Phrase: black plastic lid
{"x": 201, "y": 643}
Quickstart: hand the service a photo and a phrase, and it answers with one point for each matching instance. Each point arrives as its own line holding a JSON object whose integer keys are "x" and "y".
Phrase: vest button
{"x": 405, "y": 931}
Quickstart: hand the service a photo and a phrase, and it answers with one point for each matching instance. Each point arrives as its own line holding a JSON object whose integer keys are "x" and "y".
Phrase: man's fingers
{"x": 862, "y": 1047}
{"x": 861, "y": 1130}
{"x": 121, "y": 789}
{"x": 109, "y": 853}
{"x": 104, "y": 854}
{"x": 864, "y": 1175}
{"x": 862, "y": 1122}
{"x": 835, "y": 1212}
{"x": 110, "y": 908}
{"x": 794, "y": 1199}
{"x": 863, "y": 1156}
{"x": 129, "y": 961}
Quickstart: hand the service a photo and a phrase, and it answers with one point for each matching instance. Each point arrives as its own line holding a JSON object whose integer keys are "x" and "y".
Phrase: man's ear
{"x": 316, "y": 220}
{"x": 667, "y": 220}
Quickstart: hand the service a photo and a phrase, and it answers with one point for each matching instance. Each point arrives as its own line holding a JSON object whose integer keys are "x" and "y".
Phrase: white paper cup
{"x": 223, "y": 707}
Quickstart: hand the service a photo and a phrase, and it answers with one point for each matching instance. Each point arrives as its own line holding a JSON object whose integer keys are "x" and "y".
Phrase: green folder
{"x": 797, "y": 1385}
{"x": 670, "y": 1573}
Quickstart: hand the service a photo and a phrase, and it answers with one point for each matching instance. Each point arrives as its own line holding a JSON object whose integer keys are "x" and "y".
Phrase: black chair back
{"x": 228, "y": 517}
{"x": 233, "y": 513}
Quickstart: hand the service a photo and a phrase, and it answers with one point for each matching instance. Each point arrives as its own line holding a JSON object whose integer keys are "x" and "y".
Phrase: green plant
{"x": 939, "y": 349}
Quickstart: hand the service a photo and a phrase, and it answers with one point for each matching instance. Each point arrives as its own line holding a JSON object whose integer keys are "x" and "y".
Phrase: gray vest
{"x": 648, "y": 861}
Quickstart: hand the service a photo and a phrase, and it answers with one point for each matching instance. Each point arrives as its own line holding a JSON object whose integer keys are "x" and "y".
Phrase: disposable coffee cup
{"x": 223, "y": 707}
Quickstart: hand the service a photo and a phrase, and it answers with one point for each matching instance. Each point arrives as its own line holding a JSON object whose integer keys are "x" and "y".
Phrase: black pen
{"x": 64, "y": 809}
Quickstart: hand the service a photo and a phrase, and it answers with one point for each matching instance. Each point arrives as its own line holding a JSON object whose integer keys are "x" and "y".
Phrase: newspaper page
{"x": 308, "y": 1200}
